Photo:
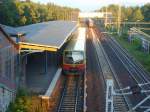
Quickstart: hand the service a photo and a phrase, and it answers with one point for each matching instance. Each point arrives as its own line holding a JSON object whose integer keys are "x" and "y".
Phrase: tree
{"x": 23, "y": 20}
{"x": 128, "y": 13}
{"x": 6, "y": 12}
{"x": 137, "y": 15}
{"x": 16, "y": 13}
{"x": 146, "y": 12}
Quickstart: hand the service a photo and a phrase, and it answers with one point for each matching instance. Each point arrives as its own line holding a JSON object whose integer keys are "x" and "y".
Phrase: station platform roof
{"x": 9, "y": 30}
{"x": 48, "y": 36}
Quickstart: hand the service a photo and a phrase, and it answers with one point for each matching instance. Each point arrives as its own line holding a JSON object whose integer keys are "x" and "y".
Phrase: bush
{"x": 21, "y": 103}
{"x": 26, "y": 102}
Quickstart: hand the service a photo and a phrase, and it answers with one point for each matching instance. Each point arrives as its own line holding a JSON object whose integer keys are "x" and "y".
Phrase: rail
{"x": 76, "y": 100}
{"x": 108, "y": 70}
{"x": 138, "y": 74}
{"x": 133, "y": 68}
{"x": 116, "y": 79}
{"x": 70, "y": 95}
{"x": 133, "y": 61}
{"x": 61, "y": 97}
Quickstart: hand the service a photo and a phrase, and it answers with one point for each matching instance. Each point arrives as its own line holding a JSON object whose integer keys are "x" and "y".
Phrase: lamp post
{"x": 119, "y": 19}
{"x": 106, "y": 17}
{"x": 137, "y": 21}
{"x": 125, "y": 24}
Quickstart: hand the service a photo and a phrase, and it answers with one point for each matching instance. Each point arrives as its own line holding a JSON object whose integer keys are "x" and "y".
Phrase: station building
{"x": 8, "y": 70}
{"x": 30, "y": 55}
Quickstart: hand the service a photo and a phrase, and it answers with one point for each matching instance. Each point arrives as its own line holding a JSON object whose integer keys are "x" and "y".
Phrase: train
{"x": 90, "y": 23}
{"x": 74, "y": 57}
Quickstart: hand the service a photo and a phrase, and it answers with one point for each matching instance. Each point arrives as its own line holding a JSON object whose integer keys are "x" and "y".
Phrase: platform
{"x": 53, "y": 83}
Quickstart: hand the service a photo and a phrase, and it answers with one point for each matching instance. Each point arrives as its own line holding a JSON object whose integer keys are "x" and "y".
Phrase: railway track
{"x": 136, "y": 73}
{"x": 72, "y": 95}
{"x": 141, "y": 72}
{"x": 121, "y": 103}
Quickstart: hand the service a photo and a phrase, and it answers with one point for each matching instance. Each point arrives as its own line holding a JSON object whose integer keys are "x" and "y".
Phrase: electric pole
{"x": 106, "y": 17}
{"x": 119, "y": 18}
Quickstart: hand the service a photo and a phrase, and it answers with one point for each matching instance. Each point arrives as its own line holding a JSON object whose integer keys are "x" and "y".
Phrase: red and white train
{"x": 74, "y": 57}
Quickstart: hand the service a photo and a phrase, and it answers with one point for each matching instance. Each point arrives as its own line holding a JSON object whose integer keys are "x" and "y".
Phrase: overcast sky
{"x": 89, "y": 5}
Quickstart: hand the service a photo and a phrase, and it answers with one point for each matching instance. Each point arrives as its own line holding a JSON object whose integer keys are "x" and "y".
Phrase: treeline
{"x": 130, "y": 13}
{"x": 17, "y": 13}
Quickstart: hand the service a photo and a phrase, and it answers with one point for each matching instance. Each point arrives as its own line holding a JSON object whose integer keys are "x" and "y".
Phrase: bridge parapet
{"x": 94, "y": 14}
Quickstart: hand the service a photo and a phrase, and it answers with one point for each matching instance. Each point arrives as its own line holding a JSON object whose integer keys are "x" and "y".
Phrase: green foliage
{"x": 146, "y": 12}
{"x": 24, "y": 102}
{"x": 21, "y": 104}
{"x": 130, "y": 13}
{"x": 16, "y": 13}
{"x": 137, "y": 15}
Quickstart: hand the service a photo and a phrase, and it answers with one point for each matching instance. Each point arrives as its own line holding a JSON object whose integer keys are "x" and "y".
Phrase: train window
{"x": 74, "y": 57}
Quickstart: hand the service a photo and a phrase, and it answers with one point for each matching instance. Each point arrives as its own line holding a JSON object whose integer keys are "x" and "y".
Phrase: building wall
{"x": 8, "y": 69}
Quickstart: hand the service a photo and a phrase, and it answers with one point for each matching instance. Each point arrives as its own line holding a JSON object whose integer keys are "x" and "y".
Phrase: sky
{"x": 89, "y": 5}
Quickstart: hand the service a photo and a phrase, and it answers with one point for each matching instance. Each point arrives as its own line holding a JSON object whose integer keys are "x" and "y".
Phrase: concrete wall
{"x": 8, "y": 69}
{"x": 6, "y": 97}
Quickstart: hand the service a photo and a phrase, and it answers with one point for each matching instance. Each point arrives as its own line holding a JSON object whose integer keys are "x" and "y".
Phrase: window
{"x": 74, "y": 57}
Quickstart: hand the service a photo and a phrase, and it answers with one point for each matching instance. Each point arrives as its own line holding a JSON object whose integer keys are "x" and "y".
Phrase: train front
{"x": 74, "y": 62}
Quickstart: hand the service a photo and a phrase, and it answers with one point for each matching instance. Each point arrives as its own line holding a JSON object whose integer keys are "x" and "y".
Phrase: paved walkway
{"x": 36, "y": 78}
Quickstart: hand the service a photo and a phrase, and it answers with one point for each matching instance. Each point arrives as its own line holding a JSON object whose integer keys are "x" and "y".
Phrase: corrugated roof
{"x": 52, "y": 33}
{"x": 10, "y": 30}
{"x": 7, "y": 36}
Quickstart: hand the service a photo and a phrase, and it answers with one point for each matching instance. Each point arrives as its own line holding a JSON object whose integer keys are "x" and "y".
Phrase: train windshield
{"x": 74, "y": 57}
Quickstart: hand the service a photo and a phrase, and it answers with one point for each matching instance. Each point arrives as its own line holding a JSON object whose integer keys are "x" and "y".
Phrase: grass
{"x": 135, "y": 50}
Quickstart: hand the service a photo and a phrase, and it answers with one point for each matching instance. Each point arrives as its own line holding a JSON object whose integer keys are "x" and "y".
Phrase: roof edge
{"x": 37, "y": 46}
{"x": 74, "y": 28}
{"x": 8, "y": 38}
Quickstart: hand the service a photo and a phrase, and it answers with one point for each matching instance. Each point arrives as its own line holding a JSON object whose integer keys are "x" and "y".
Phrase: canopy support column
{"x": 46, "y": 63}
